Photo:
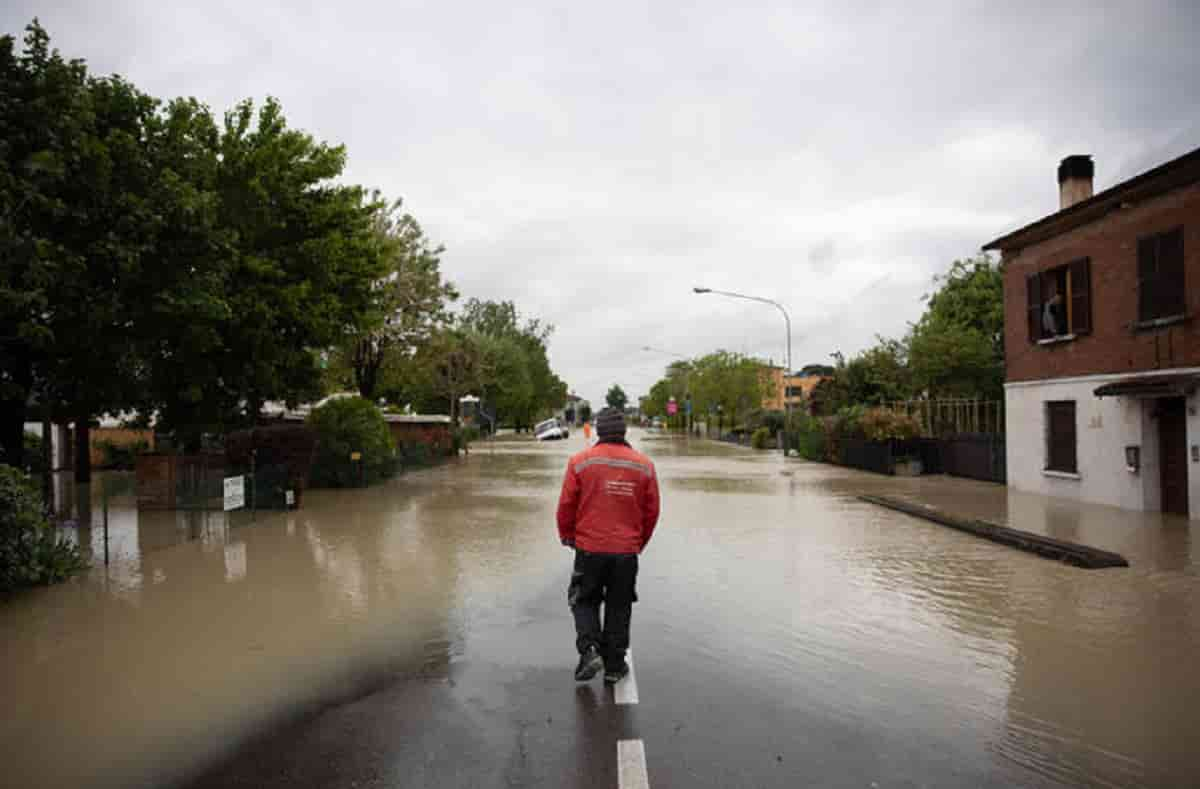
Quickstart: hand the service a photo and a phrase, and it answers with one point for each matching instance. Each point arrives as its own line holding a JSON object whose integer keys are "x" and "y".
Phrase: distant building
{"x": 1102, "y": 341}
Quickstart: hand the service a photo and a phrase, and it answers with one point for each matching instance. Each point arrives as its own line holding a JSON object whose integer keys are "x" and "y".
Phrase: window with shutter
{"x": 1170, "y": 274}
{"x": 1081, "y": 296}
{"x": 1060, "y": 436}
{"x": 1161, "y": 291}
{"x": 1147, "y": 277}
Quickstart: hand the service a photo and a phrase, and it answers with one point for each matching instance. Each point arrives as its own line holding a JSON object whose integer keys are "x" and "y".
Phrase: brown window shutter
{"x": 1171, "y": 294}
{"x": 1061, "y": 449}
{"x": 1033, "y": 295}
{"x": 1081, "y": 297}
{"x": 1147, "y": 278}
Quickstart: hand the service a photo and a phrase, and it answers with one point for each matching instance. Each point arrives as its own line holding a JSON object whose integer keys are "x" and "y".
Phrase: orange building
{"x": 798, "y": 388}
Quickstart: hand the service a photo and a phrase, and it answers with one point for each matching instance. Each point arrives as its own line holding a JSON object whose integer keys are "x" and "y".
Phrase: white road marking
{"x": 625, "y": 691}
{"x": 631, "y": 765}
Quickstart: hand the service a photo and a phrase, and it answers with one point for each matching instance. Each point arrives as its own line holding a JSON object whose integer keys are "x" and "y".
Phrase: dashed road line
{"x": 631, "y": 765}
{"x": 625, "y": 691}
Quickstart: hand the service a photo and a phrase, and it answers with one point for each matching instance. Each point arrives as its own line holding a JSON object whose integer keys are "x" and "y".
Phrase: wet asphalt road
{"x": 416, "y": 634}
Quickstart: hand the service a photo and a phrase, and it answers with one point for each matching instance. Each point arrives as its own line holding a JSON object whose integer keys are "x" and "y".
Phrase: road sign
{"x": 235, "y": 493}
{"x": 672, "y": 408}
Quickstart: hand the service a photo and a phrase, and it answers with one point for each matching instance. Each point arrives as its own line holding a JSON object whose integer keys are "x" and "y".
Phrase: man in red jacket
{"x": 606, "y": 512}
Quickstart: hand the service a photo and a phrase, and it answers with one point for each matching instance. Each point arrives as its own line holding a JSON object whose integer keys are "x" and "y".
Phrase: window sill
{"x": 1159, "y": 323}
{"x": 1048, "y": 472}
{"x": 1057, "y": 339}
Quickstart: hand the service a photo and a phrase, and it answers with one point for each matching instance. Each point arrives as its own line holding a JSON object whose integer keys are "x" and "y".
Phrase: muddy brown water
{"x": 206, "y": 629}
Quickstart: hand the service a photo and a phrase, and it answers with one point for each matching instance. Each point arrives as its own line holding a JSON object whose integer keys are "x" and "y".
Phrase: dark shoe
{"x": 613, "y": 676}
{"x": 590, "y": 664}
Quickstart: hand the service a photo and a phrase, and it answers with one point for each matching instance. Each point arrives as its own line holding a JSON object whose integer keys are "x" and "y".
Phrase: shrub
{"x": 847, "y": 423}
{"x": 882, "y": 424}
{"x": 761, "y": 438}
{"x": 346, "y": 425}
{"x": 31, "y": 552}
{"x": 808, "y": 437}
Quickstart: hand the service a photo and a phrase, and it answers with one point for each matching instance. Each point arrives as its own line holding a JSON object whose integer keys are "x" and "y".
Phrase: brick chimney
{"x": 1075, "y": 180}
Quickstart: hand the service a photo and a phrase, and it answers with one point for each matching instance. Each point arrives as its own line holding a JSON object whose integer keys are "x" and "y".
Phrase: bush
{"x": 808, "y": 438}
{"x": 847, "y": 423}
{"x": 122, "y": 457}
{"x": 761, "y": 438}
{"x": 346, "y": 425}
{"x": 882, "y": 424}
{"x": 31, "y": 552}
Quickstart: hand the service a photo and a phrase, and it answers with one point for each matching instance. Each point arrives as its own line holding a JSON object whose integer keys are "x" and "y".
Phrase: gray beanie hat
{"x": 610, "y": 423}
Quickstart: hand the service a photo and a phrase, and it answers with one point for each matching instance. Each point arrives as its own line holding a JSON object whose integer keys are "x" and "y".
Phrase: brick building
{"x": 1102, "y": 341}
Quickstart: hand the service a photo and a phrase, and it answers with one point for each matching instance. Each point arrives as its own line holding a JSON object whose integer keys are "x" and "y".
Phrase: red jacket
{"x": 609, "y": 500}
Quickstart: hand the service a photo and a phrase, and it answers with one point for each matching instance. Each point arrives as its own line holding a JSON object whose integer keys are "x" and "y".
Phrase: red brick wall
{"x": 1112, "y": 347}
{"x": 435, "y": 435}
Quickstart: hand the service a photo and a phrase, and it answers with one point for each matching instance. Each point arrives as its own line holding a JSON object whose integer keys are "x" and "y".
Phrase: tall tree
{"x": 44, "y": 117}
{"x": 409, "y": 303}
{"x": 616, "y": 397}
{"x": 525, "y": 382}
{"x": 81, "y": 219}
{"x": 957, "y": 347}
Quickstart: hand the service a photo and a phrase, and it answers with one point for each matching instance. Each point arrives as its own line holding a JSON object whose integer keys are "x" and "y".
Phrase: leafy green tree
{"x": 957, "y": 347}
{"x": 408, "y": 304}
{"x": 877, "y": 375}
{"x": 729, "y": 380}
{"x": 44, "y": 118}
{"x": 453, "y": 363}
{"x": 616, "y": 397}
{"x": 83, "y": 209}
{"x": 520, "y": 381}
{"x": 288, "y": 269}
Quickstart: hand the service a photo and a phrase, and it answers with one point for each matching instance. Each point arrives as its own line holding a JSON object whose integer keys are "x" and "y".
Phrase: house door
{"x": 1172, "y": 442}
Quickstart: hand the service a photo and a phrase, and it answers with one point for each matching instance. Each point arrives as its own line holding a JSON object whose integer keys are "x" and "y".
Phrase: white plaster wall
{"x": 1103, "y": 428}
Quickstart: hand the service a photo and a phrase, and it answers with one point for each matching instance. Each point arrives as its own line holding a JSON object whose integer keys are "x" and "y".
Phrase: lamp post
{"x": 787, "y": 401}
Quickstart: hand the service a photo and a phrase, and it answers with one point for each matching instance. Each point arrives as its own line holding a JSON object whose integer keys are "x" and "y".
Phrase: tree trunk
{"x": 367, "y": 361}
{"x": 83, "y": 450}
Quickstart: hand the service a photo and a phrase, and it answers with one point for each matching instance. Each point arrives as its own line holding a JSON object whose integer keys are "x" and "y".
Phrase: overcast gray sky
{"x": 593, "y": 162}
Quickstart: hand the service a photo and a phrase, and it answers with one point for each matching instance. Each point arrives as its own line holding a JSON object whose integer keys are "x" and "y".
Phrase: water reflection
{"x": 766, "y": 576}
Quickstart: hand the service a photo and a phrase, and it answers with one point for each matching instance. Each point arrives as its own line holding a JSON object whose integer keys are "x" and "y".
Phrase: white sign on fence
{"x": 235, "y": 493}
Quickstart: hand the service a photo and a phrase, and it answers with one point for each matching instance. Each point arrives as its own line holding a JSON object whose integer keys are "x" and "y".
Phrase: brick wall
{"x": 1113, "y": 346}
{"x": 435, "y": 435}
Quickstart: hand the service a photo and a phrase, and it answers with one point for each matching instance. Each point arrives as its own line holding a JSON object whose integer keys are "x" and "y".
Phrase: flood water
{"x": 906, "y": 653}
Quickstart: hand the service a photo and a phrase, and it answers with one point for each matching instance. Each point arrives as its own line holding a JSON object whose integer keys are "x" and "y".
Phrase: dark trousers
{"x": 611, "y": 579}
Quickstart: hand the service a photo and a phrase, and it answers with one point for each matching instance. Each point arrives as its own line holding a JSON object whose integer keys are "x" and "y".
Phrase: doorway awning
{"x": 1176, "y": 385}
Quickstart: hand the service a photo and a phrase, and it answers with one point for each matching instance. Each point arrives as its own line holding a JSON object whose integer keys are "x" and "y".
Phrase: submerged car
{"x": 550, "y": 430}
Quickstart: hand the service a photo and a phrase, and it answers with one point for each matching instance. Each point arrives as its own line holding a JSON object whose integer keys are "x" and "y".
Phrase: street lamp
{"x": 787, "y": 401}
